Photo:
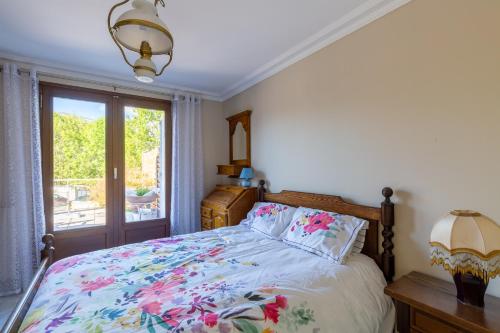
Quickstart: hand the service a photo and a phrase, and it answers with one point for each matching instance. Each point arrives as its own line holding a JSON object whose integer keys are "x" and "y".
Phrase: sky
{"x": 84, "y": 109}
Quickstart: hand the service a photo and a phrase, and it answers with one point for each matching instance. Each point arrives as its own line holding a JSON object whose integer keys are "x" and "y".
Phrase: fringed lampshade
{"x": 467, "y": 244}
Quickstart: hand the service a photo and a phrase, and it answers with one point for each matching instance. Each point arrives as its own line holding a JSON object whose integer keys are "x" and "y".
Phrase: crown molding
{"x": 58, "y": 71}
{"x": 347, "y": 24}
{"x": 354, "y": 20}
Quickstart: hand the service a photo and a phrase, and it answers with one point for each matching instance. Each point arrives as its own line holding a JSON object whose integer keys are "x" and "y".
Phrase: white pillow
{"x": 250, "y": 215}
{"x": 269, "y": 218}
{"x": 248, "y": 221}
{"x": 360, "y": 241}
{"x": 326, "y": 234}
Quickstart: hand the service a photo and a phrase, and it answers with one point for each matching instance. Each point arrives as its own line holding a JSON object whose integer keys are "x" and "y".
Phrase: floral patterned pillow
{"x": 271, "y": 219}
{"x": 326, "y": 234}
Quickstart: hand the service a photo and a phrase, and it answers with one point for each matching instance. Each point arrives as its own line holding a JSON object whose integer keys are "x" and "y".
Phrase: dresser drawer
{"x": 229, "y": 170}
{"x": 206, "y": 224}
{"x": 206, "y": 212}
{"x": 220, "y": 221}
{"x": 426, "y": 323}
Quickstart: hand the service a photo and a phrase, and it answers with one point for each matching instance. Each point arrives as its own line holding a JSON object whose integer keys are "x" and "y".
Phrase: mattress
{"x": 224, "y": 280}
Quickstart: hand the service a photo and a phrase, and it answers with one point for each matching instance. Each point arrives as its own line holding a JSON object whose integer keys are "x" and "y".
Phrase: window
{"x": 106, "y": 161}
{"x": 79, "y": 161}
{"x": 144, "y": 164}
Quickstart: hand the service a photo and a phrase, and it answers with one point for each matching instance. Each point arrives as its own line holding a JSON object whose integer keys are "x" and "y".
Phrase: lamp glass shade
{"x": 144, "y": 70}
{"x": 467, "y": 242}
{"x": 142, "y": 24}
{"x": 143, "y": 75}
{"x": 246, "y": 173}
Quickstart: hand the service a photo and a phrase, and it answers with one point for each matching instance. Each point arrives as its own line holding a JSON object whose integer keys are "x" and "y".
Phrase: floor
{"x": 7, "y": 305}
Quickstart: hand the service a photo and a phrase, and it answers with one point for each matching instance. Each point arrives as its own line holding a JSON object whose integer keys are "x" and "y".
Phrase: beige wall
{"x": 215, "y": 142}
{"x": 411, "y": 101}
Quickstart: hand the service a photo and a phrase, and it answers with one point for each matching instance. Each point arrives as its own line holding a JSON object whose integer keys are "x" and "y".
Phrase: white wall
{"x": 215, "y": 142}
{"x": 410, "y": 101}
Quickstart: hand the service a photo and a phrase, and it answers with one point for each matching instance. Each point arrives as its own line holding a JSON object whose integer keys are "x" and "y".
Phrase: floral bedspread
{"x": 226, "y": 280}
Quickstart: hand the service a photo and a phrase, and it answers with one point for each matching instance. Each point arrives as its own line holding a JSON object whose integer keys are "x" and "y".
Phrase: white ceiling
{"x": 221, "y": 46}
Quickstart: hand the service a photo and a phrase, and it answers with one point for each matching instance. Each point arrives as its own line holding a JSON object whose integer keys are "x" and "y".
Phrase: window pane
{"x": 144, "y": 164}
{"x": 79, "y": 163}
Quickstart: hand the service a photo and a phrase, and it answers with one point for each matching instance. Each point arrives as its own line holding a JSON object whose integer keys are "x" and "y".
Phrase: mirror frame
{"x": 244, "y": 118}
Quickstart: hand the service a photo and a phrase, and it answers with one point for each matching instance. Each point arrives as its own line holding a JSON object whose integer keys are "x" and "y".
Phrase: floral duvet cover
{"x": 225, "y": 280}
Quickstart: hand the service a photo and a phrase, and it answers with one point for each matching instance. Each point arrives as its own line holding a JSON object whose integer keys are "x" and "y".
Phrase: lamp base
{"x": 245, "y": 183}
{"x": 470, "y": 289}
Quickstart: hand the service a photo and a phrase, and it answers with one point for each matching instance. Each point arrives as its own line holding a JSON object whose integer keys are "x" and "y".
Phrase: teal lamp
{"x": 246, "y": 174}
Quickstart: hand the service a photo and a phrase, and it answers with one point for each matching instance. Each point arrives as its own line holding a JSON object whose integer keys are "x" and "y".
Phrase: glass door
{"x": 79, "y": 162}
{"x": 76, "y": 133}
{"x": 106, "y": 168}
{"x": 146, "y": 169}
{"x": 144, "y": 164}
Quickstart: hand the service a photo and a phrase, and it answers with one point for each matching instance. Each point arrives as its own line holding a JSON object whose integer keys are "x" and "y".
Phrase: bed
{"x": 225, "y": 280}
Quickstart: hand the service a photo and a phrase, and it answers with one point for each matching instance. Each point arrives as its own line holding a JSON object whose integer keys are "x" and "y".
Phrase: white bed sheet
{"x": 345, "y": 298}
{"x": 225, "y": 280}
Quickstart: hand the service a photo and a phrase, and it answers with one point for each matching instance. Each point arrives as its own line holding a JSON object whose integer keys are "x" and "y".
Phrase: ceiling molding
{"x": 59, "y": 71}
{"x": 354, "y": 20}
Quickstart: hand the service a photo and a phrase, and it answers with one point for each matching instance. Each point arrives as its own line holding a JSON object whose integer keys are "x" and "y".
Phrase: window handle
{"x": 115, "y": 173}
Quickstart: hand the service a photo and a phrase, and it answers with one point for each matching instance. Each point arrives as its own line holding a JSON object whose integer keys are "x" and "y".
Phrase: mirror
{"x": 239, "y": 142}
{"x": 239, "y": 139}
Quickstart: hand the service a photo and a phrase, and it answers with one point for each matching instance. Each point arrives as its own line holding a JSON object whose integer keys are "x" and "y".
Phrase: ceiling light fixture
{"x": 141, "y": 30}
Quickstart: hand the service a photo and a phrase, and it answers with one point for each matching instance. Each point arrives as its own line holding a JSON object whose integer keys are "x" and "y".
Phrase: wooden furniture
{"x": 239, "y": 145}
{"x": 383, "y": 215}
{"x": 219, "y": 213}
{"x": 226, "y": 206}
{"x": 425, "y": 304}
{"x": 229, "y": 170}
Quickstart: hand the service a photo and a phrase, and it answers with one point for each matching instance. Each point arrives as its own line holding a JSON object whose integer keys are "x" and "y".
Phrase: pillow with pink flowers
{"x": 270, "y": 219}
{"x": 326, "y": 234}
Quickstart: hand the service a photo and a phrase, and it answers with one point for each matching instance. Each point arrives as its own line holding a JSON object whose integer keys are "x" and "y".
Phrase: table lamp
{"x": 246, "y": 174}
{"x": 467, "y": 244}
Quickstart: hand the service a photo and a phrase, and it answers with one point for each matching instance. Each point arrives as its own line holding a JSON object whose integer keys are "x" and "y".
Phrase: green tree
{"x": 142, "y": 134}
{"x": 79, "y": 146}
{"x": 79, "y": 143}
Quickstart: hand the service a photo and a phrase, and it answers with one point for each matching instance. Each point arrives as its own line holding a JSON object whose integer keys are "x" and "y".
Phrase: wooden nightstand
{"x": 426, "y": 305}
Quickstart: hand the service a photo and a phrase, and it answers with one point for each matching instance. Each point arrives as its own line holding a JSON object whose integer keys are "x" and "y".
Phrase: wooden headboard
{"x": 383, "y": 215}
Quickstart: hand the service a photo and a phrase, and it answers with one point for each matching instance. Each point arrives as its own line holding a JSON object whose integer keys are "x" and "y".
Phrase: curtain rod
{"x": 40, "y": 72}
{"x": 19, "y": 70}
{"x": 114, "y": 86}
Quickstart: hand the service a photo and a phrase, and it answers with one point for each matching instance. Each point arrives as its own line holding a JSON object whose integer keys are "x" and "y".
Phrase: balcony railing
{"x": 78, "y": 203}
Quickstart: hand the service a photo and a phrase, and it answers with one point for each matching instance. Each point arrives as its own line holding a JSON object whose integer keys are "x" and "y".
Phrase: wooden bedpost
{"x": 387, "y": 220}
{"x": 261, "y": 190}
{"x": 49, "y": 249}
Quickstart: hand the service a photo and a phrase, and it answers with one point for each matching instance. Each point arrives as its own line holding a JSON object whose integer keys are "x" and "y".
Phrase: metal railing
{"x": 71, "y": 191}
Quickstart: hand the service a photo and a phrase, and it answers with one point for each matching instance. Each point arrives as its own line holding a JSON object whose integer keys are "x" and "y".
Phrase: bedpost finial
{"x": 387, "y": 192}
{"x": 48, "y": 250}
{"x": 48, "y": 240}
{"x": 262, "y": 182}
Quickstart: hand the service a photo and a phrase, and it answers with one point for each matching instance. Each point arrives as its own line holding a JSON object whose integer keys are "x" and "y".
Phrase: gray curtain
{"x": 187, "y": 165}
{"x": 22, "y": 221}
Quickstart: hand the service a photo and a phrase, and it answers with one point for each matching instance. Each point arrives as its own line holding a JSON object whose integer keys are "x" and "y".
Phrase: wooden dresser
{"x": 226, "y": 206}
